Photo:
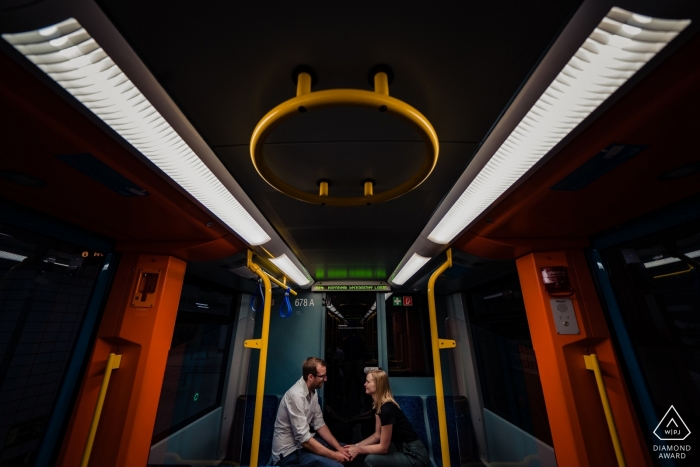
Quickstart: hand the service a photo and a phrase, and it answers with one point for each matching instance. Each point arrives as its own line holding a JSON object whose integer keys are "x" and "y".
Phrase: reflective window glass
{"x": 510, "y": 377}
{"x": 408, "y": 336}
{"x": 45, "y": 288}
{"x": 195, "y": 370}
{"x": 656, "y": 283}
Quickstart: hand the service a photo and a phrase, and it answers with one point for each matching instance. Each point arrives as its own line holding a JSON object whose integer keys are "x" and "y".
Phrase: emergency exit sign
{"x": 403, "y": 301}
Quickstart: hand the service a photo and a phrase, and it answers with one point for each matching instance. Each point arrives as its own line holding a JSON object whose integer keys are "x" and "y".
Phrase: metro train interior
{"x": 498, "y": 203}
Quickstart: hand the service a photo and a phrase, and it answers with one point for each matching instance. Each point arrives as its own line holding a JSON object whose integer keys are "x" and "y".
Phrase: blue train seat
{"x": 242, "y": 439}
{"x": 460, "y": 432}
{"x": 412, "y": 407}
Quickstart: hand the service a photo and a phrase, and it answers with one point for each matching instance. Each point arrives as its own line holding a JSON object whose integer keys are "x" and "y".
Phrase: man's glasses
{"x": 324, "y": 376}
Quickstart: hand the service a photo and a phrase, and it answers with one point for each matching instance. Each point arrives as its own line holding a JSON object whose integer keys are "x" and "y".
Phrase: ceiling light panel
{"x": 410, "y": 268}
{"x": 290, "y": 270}
{"x": 11, "y": 256}
{"x": 72, "y": 58}
{"x": 619, "y": 46}
{"x": 669, "y": 260}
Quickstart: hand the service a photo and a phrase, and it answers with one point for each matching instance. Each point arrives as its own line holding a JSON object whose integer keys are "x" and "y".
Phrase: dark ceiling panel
{"x": 227, "y": 64}
{"x": 319, "y": 234}
{"x": 346, "y": 164}
{"x": 343, "y": 124}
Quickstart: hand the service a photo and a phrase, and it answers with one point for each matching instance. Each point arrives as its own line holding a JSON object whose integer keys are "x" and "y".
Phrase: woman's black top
{"x": 402, "y": 432}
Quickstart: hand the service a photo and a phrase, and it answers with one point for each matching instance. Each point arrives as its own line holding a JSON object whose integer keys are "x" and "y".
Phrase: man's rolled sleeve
{"x": 318, "y": 416}
{"x": 297, "y": 418}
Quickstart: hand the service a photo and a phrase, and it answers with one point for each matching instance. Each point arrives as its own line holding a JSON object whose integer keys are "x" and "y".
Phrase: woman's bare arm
{"x": 380, "y": 444}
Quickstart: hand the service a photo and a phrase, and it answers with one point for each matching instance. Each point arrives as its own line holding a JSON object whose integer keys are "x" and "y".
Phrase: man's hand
{"x": 341, "y": 456}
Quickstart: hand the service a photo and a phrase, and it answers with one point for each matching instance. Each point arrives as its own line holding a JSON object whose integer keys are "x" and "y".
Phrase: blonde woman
{"x": 394, "y": 441}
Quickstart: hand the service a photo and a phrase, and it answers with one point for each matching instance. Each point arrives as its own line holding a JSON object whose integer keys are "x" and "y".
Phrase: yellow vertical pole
{"x": 323, "y": 189}
{"x": 437, "y": 344}
{"x": 303, "y": 84}
{"x": 113, "y": 362}
{"x": 262, "y": 366}
{"x": 592, "y": 364}
{"x": 381, "y": 83}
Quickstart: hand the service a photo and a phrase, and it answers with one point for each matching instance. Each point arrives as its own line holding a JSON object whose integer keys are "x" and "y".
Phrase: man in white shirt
{"x": 293, "y": 443}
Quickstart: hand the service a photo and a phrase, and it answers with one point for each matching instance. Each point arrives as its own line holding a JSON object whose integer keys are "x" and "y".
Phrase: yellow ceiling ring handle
{"x": 307, "y": 101}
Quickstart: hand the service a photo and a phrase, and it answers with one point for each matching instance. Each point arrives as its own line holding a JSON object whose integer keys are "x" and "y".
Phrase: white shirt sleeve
{"x": 297, "y": 418}
{"x": 315, "y": 408}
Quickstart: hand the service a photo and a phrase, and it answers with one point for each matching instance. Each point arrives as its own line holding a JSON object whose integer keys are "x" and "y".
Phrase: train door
{"x": 515, "y": 423}
{"x": 351, "y": 345}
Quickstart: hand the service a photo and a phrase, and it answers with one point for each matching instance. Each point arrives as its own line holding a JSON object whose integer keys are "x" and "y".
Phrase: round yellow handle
{"x": 308, "y": 101}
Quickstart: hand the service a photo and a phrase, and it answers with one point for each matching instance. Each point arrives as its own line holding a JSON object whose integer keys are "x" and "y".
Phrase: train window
{"x": 408, "y": 336}
{"x": 45, "y": 288}
{"x": 656, "y": 283}
{"x": 510, "y": 379}
{"x": 194, "y": 374}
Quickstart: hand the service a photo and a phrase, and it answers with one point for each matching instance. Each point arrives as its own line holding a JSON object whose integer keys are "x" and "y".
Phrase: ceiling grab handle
{"x": 308, "y": 101}
{"x": 437, "y": 344}
{"x": 113, "y": 363}
{"x": 592, "y": 364}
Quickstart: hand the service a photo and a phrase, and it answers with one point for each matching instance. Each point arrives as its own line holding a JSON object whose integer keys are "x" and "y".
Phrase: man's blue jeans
{"x": 305, "y": 458}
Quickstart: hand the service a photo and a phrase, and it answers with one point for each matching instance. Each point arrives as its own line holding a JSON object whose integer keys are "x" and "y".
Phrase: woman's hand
{"x": 352, "y": 451}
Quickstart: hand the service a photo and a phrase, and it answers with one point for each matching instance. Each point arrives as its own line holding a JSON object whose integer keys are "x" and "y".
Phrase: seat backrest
{"x": 412, "y": 407}
{"x": 452, "y": 429}
{"x": 267, "y": 429}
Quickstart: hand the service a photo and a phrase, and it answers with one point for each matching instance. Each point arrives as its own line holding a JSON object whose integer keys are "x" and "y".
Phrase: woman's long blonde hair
{"x": 382, "y": 393}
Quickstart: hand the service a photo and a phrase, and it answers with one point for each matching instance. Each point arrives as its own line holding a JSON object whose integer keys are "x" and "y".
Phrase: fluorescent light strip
{"x": 290, "y": 270}
{"x": 661, "y": 262}
{"x": 622, "y": 43}
{"x": 410, "y": 268}
{"x": 73, "y": 59}
{"x": 496, "y": 295}
{"x": 11, "y": 256}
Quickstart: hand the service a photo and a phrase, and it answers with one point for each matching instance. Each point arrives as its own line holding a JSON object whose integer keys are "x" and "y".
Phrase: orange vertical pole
{"x": 576, "y": 417}
{"x": 141, "y": 331}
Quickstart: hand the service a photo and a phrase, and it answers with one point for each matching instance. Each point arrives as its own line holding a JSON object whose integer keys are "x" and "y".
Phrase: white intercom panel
{"x": 564, "y": 315}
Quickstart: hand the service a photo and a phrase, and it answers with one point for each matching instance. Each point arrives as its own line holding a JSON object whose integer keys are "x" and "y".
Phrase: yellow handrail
{"x": 379, "y": 99}
{"x": 437, "y": 344}
{"x": 262, "y": 345}
{"x": 280, "y": 283}
{"x": 113, "y": 362}
{"x": 592, "y": 364}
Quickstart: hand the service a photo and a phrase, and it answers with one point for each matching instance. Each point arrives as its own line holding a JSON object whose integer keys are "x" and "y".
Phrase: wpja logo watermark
{"x": 672, "y": 428}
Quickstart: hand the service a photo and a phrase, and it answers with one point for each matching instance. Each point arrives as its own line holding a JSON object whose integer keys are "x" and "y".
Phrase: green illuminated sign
{"x": 344, "y": 273}
{"x": 196, "y": 396}
{"x": 350, "y": 287}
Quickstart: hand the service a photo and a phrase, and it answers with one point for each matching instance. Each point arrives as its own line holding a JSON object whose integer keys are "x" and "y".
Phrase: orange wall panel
{"x": 579, "y": 428}
{"x": 142, "y": 336}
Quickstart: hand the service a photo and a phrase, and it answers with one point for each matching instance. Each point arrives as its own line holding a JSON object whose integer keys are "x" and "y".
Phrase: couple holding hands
{"x": 394, "y": 441}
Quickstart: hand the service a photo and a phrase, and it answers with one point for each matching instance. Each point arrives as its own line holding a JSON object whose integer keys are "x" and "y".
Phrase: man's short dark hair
{"x": 309, "y": 366}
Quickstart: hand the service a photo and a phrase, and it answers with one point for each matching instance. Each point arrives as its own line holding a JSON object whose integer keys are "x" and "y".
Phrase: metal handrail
{"x": 378, "y": 99}
{"x": 282, "y": 284}
{"x": 260, "y": 344}
{"x": 113, "y": 363}
{"x": 438, "y": 344}
{"x": 592, "y": 364}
